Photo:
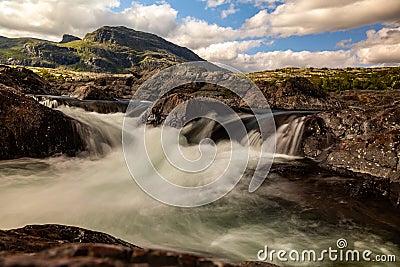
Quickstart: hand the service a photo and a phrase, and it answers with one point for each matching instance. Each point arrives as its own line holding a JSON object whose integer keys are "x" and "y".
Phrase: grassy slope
{"x": 337, "y": 79}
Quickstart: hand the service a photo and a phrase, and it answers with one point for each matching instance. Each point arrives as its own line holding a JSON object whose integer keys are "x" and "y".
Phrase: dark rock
{"x": 90, "y": 92}
{"x": 364, "y": 142}
{"x": 53, "y": 53}
{"x": 57, "y": 245}
{"x": 298, "y": 94}
{"x": 24, "y": 80}
{"x": 67, "y": 38}
{"x": 35, "y": 238}
{"x": 370, "y": 98}
{"x": 29, "y": 129}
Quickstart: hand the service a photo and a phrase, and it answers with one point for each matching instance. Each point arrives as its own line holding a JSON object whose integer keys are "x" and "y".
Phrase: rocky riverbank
{"x": 58, "y": 245}
{"x": 354, "y": 133}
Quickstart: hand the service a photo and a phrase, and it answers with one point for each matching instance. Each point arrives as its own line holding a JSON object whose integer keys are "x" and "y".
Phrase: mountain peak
{"x": 139, "y": 41}
{"x": 67, "y": 38}
{"x": 108, "y": 49}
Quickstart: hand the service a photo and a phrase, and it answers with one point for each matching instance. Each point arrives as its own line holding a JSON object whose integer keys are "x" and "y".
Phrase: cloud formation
{"x": 227, "y": 52}
{"x": 234, "y": 54}
{"x": 275, "y": 19}
{"x": 302, "y": 17}
{"x": 380, "y": 47}
{"x": 231, "y": 10}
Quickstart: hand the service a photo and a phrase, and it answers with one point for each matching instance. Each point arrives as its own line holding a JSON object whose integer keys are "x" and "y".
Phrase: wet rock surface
{"x": 29, "y": 129}
{"x": 58, "y": 245}
{"x": 362, "y": 141}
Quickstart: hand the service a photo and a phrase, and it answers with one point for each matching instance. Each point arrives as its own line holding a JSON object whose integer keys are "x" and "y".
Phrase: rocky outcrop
{"x": 57, "y": 245}
{"x": 108, "y": 49}
{"x": 139, "y": 41}
{"x": 53, "y": 53}
{"x": 293, "y": 94}
{"x": 29, "y": 129}
{"x": 298, "y": 94}
{"x": 364, "y": 142}
{"x": 90, "y": 92}
{"x": 67, "y": 38}
{"x": 24, "y": 80}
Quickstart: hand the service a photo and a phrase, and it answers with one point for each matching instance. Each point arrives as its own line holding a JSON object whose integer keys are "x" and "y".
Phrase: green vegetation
{"x": 106, "y": 50}
{"x": 336, "y": 80}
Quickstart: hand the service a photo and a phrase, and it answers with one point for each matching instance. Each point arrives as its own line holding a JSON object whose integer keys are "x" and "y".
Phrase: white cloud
{"x": 234, "y": 54}
{"x": 215, "y": 3}
{"x": 288, "y": 58}
{"x": 231, "y": 10}
{"x": 344, "y": 43}
{"x": 262, "y": 3}
{"x": 380, "y": 47}
{"x": 50, "y": 19}
{"x": 301, "y": 17}
{"x": 195, "y": 33}
{"x": 228, "y": 51}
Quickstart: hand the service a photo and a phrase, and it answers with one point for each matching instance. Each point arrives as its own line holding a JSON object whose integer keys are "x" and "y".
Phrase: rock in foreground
{"x": 24, "y": 80}
{"x": 362, "y": 141}
{"x": 57, "y": 245}
{"x": 29, "y": 129}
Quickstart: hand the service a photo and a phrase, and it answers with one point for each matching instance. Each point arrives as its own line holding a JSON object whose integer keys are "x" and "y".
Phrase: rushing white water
{"x": 99, "y": 193}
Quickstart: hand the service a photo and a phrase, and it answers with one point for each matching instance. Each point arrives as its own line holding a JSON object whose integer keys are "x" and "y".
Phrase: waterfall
{"x": 100, "y": 132}
{"x": 289, "y": 131}
{"x": 101, "y": 135}
{"x": 288, "y": 136}
{"x": 99, "y": 106}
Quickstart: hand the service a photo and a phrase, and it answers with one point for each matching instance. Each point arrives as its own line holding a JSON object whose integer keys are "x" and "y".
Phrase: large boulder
{"x": 24, "y": 80}
{"x": 58, "y": 245}
{"x": 298, "y": 93}
{"x": 29, "y": 129}
{"x": 364, "y": 142}
{"x": 90, "y": 92}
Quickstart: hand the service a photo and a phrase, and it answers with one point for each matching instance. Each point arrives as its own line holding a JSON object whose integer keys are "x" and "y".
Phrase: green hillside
{"x": 108, "y": 49}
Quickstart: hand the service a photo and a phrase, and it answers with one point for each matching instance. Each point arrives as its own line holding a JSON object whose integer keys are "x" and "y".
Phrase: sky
{"x": 250, "y": 35}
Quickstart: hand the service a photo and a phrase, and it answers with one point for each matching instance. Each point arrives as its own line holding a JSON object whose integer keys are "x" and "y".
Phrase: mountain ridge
{"x": 110, "y": 49}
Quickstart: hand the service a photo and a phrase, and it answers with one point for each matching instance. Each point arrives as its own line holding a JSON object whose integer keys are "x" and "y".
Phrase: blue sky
{"x": 250, "y": 35}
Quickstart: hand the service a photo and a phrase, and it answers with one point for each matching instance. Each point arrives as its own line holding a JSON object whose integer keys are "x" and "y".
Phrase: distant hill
{"x": 108, "y": 49}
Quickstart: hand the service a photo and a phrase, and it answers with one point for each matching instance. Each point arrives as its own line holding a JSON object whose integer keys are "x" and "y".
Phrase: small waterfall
{"x": 288, "y": 136}
{"x": 99, "y": 106}
{"x": 289, "y": 131}
{"x": 48, "y": 102}
{"x": 100, "y": 132}
{"x": 196, "y": 131}
{"x": 255, "y": 139}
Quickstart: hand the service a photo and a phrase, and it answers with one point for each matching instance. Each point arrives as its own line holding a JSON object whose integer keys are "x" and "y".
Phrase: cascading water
{"x": 98, "y": 193}
{"x": 288, "y": 136}
{"x": 288, "y": 133}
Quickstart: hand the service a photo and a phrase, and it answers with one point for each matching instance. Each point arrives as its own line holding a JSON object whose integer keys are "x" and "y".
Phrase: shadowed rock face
{"x": 298, "y": 94}
{"x": 24, "y": 80}
{"x": 361, "y": 141}
{"x": 90, "y": 92}
{"x": 29, "y": 129}
{"x": 58, "y": 245}
{"x": 67, "y": 38}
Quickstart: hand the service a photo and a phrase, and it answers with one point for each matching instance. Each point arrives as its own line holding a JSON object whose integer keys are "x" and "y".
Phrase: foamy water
{"x": 97, "y": 192}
